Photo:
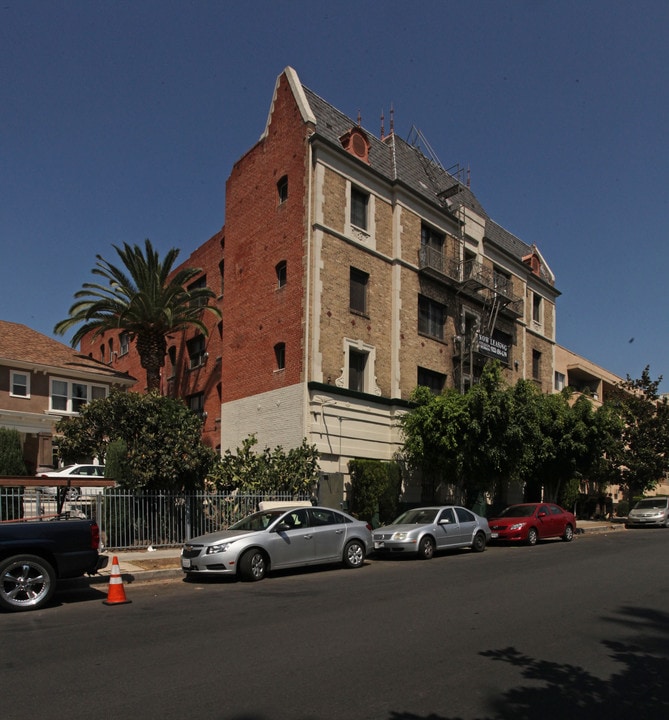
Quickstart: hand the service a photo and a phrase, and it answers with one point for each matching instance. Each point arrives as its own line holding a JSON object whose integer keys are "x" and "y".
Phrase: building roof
{"x": 21, "y": 346}
{"x": 404, "y": 163}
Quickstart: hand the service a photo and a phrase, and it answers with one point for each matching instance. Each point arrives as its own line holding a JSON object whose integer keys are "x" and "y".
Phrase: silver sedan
{"x": 425, "y": 530}
{"x": 279, "y": 538}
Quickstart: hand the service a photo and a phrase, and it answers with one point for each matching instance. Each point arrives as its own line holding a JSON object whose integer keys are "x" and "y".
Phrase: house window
{"x": 429, "y": 237}
{"x": 172, "y": 355}
{"x": 559, "y": 381}
{"x": 431, "y": 315}
{"x": 431, "y": 379}
{"x": 20, "y": 384}
{"x": 221, "y": 268}
{"x": 282, "y": 189}
{"x": 196, "y": 352}
{"x": 536, "y": 365}
{"x": 357, "y": 363}
{"x": 281, "y": 273}
{"x": 502, "y": 281}
{"x": 67, "y": 396}
{"x": 280, "y": 355}
{"x": 536, "y": 307}
{"x": 358, "y": 291}
{"x": 196, "y": 404}
{"x": 199, "y": 284}
{"x": 124, "y": 343}
{"x": 359, "y": 204}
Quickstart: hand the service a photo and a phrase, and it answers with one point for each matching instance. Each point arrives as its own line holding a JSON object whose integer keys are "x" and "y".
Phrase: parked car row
{"x": 279, "y": 538}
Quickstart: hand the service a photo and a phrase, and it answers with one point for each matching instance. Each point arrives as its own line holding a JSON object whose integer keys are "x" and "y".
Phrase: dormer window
{"x": 355, "y": 141}
{"x": 533, "y": 262}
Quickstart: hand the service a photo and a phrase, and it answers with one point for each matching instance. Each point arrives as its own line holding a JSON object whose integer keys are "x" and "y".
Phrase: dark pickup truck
{"x": 34, "y": 555}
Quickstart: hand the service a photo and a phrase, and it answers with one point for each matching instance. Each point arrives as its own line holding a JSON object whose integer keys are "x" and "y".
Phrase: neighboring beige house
{"x": 42, "y": 380}
{"x": 586, "y": 378}
{"x": 582, "y": 376}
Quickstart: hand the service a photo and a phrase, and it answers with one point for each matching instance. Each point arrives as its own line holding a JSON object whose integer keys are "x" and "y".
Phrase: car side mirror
{"x": 541, "y": 514}
{"x": 282, "y": 527}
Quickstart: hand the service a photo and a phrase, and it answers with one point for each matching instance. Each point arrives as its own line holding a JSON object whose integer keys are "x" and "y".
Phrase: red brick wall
{"x": 261, "y": 232}
{"x": 179, "y": 381}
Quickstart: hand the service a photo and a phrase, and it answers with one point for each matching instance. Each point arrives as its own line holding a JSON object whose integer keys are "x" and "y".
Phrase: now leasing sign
{"x": 493, "y": 348}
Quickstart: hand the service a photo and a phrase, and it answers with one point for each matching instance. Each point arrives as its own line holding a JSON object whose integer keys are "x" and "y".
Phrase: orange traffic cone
{"x": 116, "y": 593}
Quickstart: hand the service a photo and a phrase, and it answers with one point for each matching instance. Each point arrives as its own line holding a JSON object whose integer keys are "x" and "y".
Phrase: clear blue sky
{"x": 121, "y": 121}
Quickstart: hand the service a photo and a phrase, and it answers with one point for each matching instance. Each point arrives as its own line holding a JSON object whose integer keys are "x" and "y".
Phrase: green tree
{"x": 141, "y": 300}
{"x": 11, "y": 454}
{"x": 640, "y": 458}
{"x": 162, "y": 437}
{"x": 269, "y": 471}
{"x": 11, "y": 463}
{"x": 432, "y": 433}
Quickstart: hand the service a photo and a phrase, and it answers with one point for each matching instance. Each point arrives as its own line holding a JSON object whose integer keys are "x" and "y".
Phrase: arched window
{"x": 282, "y": 273}
{"x": 280, "y": 355}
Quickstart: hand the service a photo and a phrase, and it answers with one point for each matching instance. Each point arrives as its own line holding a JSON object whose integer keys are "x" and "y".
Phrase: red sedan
{"x": 531, "y": 522}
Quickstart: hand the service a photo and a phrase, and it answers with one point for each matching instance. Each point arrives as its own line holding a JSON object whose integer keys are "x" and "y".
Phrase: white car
{"x": 75, "y": 472}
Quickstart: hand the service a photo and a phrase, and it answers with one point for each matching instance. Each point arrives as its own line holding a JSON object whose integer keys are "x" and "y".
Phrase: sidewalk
{"x": 164, "y": 563}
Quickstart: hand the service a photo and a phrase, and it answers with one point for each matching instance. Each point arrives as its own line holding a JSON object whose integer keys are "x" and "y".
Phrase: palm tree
{"x": 142, "y": 301}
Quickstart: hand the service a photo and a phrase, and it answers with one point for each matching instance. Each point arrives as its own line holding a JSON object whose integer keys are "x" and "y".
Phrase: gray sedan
{"x": 279, "y": 538}
{"x": 425, "y": 530}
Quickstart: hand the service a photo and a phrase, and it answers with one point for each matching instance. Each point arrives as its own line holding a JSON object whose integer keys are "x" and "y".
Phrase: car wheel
{"x": 27, "y": 582}
{"x": 532, "y": 536}
{"x": 568, "y": 533}
{"x": 426, "y": 548}
{"x": 253, "y": 565}
{"x": 354, "y": 554}
{"x": 479, "y": 542}
{"x": 72, "y": 494}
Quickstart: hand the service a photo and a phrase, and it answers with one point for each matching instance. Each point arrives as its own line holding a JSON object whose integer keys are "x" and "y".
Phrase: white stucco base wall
{"x": 275, "y": 417}
{"x": 342, "y": 427}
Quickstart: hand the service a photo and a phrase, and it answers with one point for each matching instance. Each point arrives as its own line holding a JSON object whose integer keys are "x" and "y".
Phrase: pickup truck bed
{"x": 34, "y": 555}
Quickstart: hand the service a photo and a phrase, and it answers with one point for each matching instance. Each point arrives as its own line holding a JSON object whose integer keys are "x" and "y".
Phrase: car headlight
{"x": 400, "y": 536}
{"x": 517, "y": 526}
{"x": 212, "y": 549}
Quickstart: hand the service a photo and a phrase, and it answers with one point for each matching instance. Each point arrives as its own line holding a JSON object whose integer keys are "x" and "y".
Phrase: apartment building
{"x": 351, "y": 268}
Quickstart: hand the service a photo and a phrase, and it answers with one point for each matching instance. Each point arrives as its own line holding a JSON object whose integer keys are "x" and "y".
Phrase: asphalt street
{"x": 574, "y": 630}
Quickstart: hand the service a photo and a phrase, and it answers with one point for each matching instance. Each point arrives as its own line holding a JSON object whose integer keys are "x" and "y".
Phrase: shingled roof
{"x": 400, "y": 162}
{"x": 21, "y": 344}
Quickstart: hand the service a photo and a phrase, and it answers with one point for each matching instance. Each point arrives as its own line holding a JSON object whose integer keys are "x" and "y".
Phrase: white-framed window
{"x": 359, "y": 208}
{"x": 360, "y": 215}
{"x": 559, "y": 381}
{"x": 69, "y": 396}
{"x": 124, "y": 343}
{"x": 537, "y": 308}
{"x": 358, "y": 372}
{"x": 19, "y": 384}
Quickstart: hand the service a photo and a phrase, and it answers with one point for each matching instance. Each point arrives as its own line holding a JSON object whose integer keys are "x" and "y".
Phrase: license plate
{"x": 494, "y": 535}
{"x": 185, "y": 562}
{"x": 378, "y": 545}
